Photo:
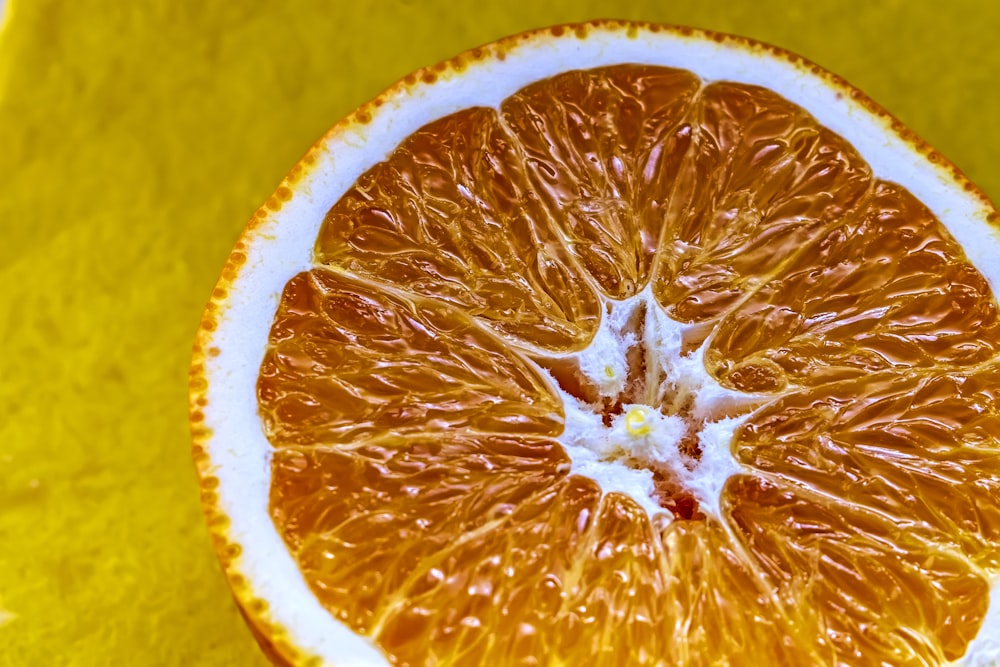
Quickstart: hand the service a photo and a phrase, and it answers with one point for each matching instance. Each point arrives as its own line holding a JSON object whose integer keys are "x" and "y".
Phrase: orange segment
{"x": 368, "y": 523}
{"x": 602, "y": 148}
{"x": 886, "y": 288}
{"x": 720, "y": 608}
{"x": 920, "y": 450}
{"x": 883, "y": 597}
{"x": 760, "y": 180}
{"x": 496, "y": 596}
{"x": 349, "y": 362}
{"x": 451, "y": 215}
{"x": 616, "y": 594}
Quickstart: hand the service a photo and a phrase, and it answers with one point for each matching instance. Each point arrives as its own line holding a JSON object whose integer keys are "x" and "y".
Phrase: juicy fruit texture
{"x": 413, "y": 390}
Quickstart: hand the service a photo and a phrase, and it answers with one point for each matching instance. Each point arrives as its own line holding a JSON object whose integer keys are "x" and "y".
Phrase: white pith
{"x": 282, "y": 247}
{"x": 645, "y": 436}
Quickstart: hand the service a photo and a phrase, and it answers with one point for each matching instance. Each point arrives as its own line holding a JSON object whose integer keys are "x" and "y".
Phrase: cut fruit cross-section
{"x": 611, "y": 343}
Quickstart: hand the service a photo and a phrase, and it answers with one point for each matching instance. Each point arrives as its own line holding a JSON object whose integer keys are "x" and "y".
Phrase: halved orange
{"x": 611, "y": 344}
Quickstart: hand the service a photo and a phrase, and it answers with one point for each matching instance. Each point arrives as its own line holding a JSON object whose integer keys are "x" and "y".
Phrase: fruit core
{"x": 643, "y": 417}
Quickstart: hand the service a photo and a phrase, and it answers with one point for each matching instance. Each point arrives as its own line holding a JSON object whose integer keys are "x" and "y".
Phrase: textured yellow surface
{"x": 135, "y": 140}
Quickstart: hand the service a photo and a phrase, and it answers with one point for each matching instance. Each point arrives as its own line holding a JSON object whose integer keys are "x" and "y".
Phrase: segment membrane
{"x": 920, "y": 450}
{"x": 888, "y": 288}
{"x": 350, "y": 362}
{"x": 603, "y": 150}
{"x": 451, "y": 215}
{"x": 759, "y": 181}
{"x": 883, "y": 597}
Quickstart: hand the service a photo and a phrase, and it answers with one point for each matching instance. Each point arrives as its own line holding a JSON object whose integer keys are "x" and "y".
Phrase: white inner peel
{"x": 679, "y": 399}
{"x": 984, "y": 650}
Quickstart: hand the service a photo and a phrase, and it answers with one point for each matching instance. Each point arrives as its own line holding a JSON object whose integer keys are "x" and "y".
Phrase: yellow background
{"x": 135, "y": 140}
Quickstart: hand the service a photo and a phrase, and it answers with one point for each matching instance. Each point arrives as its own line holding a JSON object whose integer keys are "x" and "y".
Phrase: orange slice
{"x": 615, "y": 344}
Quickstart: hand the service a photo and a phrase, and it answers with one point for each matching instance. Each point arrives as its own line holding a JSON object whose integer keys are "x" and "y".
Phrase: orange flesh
{"x": 416, "y": 476}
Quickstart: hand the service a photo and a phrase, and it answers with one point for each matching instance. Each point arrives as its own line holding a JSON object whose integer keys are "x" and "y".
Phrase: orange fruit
{"x": 616, "y": 344}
